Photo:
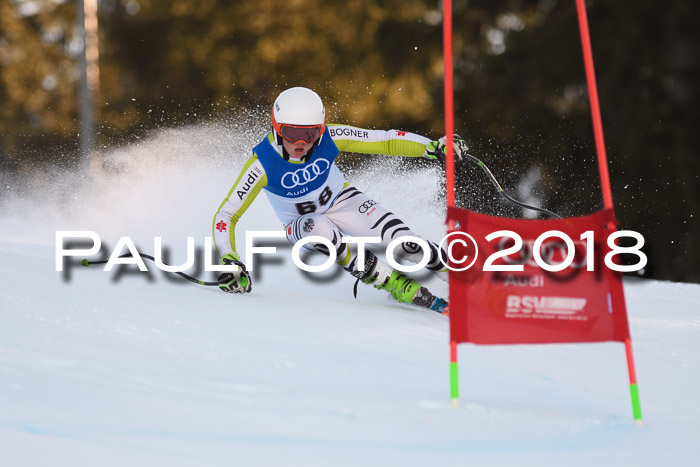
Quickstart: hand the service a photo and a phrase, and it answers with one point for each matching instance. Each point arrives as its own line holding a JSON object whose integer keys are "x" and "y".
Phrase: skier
{"x": 295, "y": 165}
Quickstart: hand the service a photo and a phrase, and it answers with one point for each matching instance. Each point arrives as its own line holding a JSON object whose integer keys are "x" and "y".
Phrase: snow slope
{"x": 128, "y": 368}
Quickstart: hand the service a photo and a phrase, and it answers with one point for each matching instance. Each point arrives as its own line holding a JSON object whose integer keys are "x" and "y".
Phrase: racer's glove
{"x": 436, "y": 150}
{"x": 237, "y": 281}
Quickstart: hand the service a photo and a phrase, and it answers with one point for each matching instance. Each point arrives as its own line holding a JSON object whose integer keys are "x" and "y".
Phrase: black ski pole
{"x": 502, "y": 192}
{"x": 85, "y": 262}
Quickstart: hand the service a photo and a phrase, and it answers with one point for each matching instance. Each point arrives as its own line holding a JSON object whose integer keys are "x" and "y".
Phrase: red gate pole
{"x": 604, "y": 175}
{"x": 449, "y": 163}
{"x": 595, "y": 106}
{"x": 449, "y": 101}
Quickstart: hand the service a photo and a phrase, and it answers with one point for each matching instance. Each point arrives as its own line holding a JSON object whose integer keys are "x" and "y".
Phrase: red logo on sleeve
{"x": 221, "y": 226}
{"x": 401, "y": 133}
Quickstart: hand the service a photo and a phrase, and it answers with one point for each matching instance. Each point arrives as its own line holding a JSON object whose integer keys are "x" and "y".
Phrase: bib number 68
{"x": 307, "y": 207}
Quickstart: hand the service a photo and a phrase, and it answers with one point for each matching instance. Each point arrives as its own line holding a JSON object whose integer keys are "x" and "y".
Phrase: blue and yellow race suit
{"x": 296, "y": 188}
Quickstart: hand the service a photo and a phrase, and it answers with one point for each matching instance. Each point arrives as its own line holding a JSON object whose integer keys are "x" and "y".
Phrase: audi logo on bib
{"x": 306, "y": 174}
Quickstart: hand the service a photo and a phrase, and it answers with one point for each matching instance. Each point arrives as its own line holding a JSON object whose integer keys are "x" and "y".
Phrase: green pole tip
{"x": 85, "y": 262}
{"x": 636, "y": 405}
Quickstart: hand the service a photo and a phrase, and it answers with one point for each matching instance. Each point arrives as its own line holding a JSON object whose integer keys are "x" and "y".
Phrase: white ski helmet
{"x": 298, "y": 115}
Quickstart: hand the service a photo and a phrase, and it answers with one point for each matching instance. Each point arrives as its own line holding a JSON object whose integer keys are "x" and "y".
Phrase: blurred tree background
{"x": 520, "y": 90}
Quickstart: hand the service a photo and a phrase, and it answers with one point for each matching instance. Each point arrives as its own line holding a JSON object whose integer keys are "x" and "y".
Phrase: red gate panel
{"x": 535, "y": 305}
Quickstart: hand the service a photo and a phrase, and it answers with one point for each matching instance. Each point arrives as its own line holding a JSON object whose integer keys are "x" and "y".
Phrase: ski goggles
{"x": 299, "y": 133}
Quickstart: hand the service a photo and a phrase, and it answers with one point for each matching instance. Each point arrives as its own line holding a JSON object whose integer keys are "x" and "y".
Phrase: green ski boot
{"x": 402, "y": 288}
